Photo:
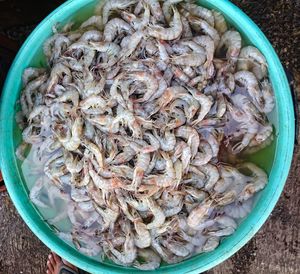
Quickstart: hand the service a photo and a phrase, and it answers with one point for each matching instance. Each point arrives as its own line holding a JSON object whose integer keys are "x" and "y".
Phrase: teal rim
{"x": 198, "y": 263}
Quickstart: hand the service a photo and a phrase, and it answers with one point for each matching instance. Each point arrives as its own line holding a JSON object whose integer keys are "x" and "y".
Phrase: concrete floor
{"x": 275, "y": 248}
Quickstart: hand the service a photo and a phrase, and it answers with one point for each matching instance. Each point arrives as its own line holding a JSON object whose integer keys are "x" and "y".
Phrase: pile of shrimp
{"x": 128, "y": 121}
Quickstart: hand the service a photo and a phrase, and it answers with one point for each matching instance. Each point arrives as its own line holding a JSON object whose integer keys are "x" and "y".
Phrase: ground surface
{"x": 274, "y": 249}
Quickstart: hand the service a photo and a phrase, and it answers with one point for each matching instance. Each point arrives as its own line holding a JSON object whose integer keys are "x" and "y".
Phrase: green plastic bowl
{"x": 283, "y": 118}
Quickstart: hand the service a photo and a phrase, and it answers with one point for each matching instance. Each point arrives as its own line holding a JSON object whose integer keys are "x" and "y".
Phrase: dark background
{"x": 274, "y": 249}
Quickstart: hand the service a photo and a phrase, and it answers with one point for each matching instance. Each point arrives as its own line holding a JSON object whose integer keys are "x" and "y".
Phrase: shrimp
{"x": 168, "y": 142}
{"x": 124, "y": 157}
{"x": 30, "y": 74}
{"x": 202, "y": 158}
{"x": 200, "y": 214}
{"x": 150, "y": 260}
{"x": 263, "y": 134}
{"x": 188, "y": 103}
{"x": 105, "y": 184}
{"x": 130, "y": 252}
{"x": 154, "y": 143}
{"x": 143, "y": 160}
{"x": 74, "y": 142}
{"x": 166, "y": 8}
{"x": 199, "y": 24}
{"x": 251, "y": 129}
{"x": 208, "y": 44}
{"x": 96, "y": 150}
{"x": 57, "y": 72}
{"x": 142, "y": 238}
{"x": 150, "y": 82}
{"x": 95, "y": 21}
{"x": 170, "y": 94}
{"x": 127, "y": 51}
{"x": 211, "y": 244}
{"x": 165, "y": 254}
{"x": 155, "y": 9}
{"x": 205, "y": 105}
{"x": 186, "y": 29}
{"x": 225, "y": 226}
{"x": 114, "y": 27}
{"x": 37, "y": 111}
{"x": 163, "y": 53}
{"x": 192, "y": 137}
{"x": 20, "y": 151}
{"x": 260, "y": 179}
{"x": 268, "y": 97}
{"x": 113, "y": 5}
{"x": 220, "y": 23}
{"x": 186, "y": 156}
{"x": 232, "y": 41}
{"x": 171, "y": 33}
{"x": 191, "y": 59}
{"x": 71, "y": 95}
{"x": 212, "y": 173}
{"x": 91, "y": 35}
{"x": 248, "y": 79}
{"x": 107, "y": 47}
{"x": 158, "y": 214}
{"x": 168, "y": 178}
{"x": 221, "y": 109}
{"x": 178, "y": 73}
{"x": 201, "y": 12}
{"x": 189, "y": 71}
{"x": 251, "y": 59}
{"x": 93, "y": 104}
{"x": 178, "y": 248}
{"x": 134, "y": 21}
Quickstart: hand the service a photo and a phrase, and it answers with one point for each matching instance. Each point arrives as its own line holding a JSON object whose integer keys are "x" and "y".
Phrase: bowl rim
{"x": 280, "y": 169}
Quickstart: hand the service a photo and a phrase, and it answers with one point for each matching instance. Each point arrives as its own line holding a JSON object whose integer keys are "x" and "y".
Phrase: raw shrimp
{"x": 149, "y": 81}
{"x": 167, "y": 6}
{"x": 220, "y": 23}
{"x": 94, "y": 20}
{"x": 73, "y": 143}
{"x": 268, "y": 97}
{"x": 168, "y": 33}
{"x": 191, "y": 59}
{"x": 142, "y": 238}
{"x": 251, "y": 59}
{"x": 260, "y": 179}
{"x": 136, "y": 126}
{"x": 113, "y": 27}
{"x": 249, "y": 81}
{"x": 106, "y": 184}
{"x": 110, "y": 5}
{"x": 201, "y": 12}
{"x": 136, "y": 22}
{"x": 208, "y": 44}
{"x": 199, "y": 24}
{"x": 192, "y": 137}
{"x": 158, "y": 214}
{"x": 151, "y": 260}
{"x": 143, "y": 160}
{"x": 232, "y": 41}
{"x": 202, "y": 158}
{"x": 200, "y": 214}
{"x": 154, "y": 7}
{"x": 178, "y": 248}
{"x": 205, "y": 105}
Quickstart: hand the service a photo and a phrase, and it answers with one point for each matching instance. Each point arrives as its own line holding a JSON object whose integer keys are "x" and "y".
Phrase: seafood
{"x": 170, "y": 33}
{"x": 133, "y": 131}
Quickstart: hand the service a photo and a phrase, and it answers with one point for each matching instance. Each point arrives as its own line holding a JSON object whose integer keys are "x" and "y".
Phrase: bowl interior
{"x": 275, "y": 159}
